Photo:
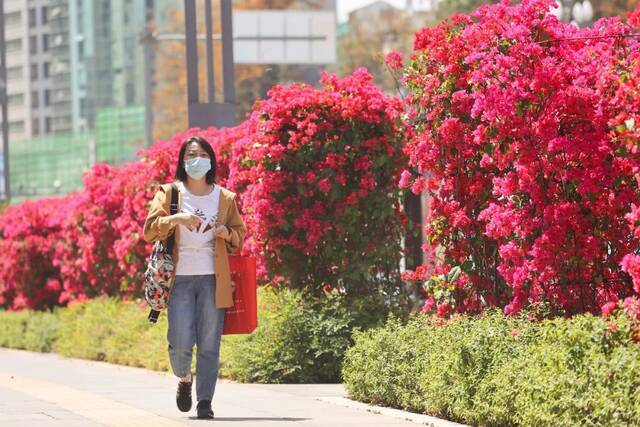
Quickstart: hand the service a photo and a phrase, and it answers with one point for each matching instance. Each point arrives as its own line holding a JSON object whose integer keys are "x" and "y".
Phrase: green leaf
{"x": 454, "y": 274}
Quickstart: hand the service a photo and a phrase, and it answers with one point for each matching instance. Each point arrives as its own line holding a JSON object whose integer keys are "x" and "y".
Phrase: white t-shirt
{"x": 196, "y": 249}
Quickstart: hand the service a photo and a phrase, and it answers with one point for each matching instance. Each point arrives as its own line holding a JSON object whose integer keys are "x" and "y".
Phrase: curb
{"x": 391, "y": 412}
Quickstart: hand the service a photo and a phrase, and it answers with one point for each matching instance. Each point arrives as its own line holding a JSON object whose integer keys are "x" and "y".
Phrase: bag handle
{"x": 173, "y": 209}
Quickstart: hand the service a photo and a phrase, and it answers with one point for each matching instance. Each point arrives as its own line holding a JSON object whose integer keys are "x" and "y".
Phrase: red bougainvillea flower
{"x": 525, "y": 138}
{"x": 318, "y": 170}
{"x": 64, "y": 250}
{"x": 394, "y": 60}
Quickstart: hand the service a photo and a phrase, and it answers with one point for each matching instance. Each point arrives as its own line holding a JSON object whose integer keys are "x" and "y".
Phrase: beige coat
{"x": 157, "y": 227}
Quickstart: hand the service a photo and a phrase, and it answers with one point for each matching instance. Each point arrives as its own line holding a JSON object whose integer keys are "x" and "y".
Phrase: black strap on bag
{"x": 171, "y": 240}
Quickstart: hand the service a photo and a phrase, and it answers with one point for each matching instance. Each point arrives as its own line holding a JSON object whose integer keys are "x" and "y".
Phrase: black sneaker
{"x": 204, "y": 409}
{"x": 183, "y": 395}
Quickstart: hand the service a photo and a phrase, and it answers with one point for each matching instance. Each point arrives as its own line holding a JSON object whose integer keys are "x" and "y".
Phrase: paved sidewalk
{"x": 49, "y": 390}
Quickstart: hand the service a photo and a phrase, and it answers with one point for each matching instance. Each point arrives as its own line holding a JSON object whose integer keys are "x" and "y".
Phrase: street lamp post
{"x": 255, "y": 36}
{"x": 200, "y": 114}
{"x": 210, "y": 113}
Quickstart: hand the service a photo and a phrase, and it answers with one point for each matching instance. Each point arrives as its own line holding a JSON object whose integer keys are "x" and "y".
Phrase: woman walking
{"x": 207, "y": 227}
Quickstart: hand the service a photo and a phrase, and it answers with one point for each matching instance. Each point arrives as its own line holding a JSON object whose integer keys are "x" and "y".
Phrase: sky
{"x": 346, "y": 6}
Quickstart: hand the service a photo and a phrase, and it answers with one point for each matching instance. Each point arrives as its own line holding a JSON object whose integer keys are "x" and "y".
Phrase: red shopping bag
{"x": 242, "y": 318}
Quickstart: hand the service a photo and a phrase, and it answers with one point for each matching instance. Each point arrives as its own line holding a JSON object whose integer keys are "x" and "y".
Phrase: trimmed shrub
{"x": 299, "y": 339}
{"x": 12, "y": 328}
{"x": 85, "y": 327}
{"x": 113, "y": 331}
{"x": 496, "y": 371}
{"x": 29, "y": 330}
{"x": 42, "y": 330}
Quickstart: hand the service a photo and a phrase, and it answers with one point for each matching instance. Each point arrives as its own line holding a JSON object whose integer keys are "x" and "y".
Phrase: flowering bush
{"x": 63, "y": 250}
{"x": 317, "y": 173}
{"x": 527, "y": 140}
{"x": 109, "y": 241}
{"x": 29, "y": 234}
{"x": 318, "y": 167}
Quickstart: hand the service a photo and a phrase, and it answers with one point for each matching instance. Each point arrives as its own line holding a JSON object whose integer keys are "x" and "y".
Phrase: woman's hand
{"x": 223, "y": 232}
{"x": 189, "y": 220}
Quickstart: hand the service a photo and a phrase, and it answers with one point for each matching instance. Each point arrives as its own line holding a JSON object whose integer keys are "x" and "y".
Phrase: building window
{"x": 32, "y": 18}
{"x": 55, "y": 11}
{"x": 35, "y": 127}
{"x": 47, "y": 125}
{"x": 61, "y": 95}
{"x": 106, "y": 12}
{"x": 14, "y": 45}
{"x": 14, "y": 73}
{"x": 35, "y": 99}
{"x": 17, "y": 126}
{"x": 130, "y": 93}
{"x": 59, "y": 67}
{"x": 33, "y": 44}
{"x": 15, "y": 100}
{"x": 34, "y": 71}
{"x": 83, "y": 106}
{"x": 45, "y": 16}
{"x": 13, "y": 18}
{"x": 150, "y": 4}
{"x": 47, "y": 97}
{"x": 46, "y": 70}
{"x": 45, "y": 42}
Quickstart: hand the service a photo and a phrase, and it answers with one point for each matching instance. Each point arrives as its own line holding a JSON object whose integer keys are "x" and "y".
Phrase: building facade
{"x": 67, "y": 59}
{"x": 28, "y": 66}
{"x": 40, "y": 69}
{"x": 60, "y": 81}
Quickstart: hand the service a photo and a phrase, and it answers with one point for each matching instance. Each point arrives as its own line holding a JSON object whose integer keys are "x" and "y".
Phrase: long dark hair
{"x": 181, "y": 173}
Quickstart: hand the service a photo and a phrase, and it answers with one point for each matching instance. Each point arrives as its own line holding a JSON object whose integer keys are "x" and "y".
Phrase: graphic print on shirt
{"x": 200, "y": 214}
{"x": 196, "y": 248}
{"x": 211, "y": 223}
{"x": 208, "y": 222}
{"x": 205, "y": 208}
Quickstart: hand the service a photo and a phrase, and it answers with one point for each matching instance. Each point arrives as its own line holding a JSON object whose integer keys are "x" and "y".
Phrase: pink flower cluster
{"x": 31, "y": 234}
{"x": 86, "y": 244}
{"x": 317, "y": 172}
{"x": 527, "y": 136}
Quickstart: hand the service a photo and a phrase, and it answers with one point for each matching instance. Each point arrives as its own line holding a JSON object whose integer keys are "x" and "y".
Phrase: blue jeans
{"x": 194, "y": 319}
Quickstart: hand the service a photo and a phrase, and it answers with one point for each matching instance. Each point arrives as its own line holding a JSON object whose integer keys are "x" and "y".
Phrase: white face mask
{"x": 197, "y": 167}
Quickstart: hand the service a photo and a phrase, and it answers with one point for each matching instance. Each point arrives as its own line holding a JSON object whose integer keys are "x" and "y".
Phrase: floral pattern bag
{"x": 157, "y": 277}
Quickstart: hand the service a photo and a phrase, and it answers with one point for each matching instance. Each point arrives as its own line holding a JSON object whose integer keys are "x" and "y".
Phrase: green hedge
{"x": 100, "y": 329}
{"x": 29, "y": 330}
{"x": 298, "y": 339}
{"x": 114, "y": 331}
{"x": 493, "y": 371}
